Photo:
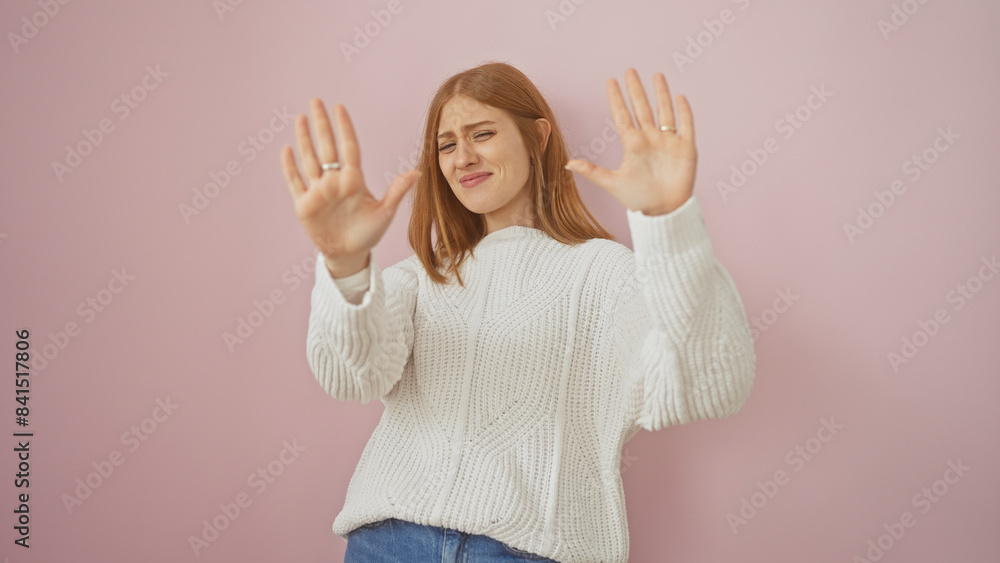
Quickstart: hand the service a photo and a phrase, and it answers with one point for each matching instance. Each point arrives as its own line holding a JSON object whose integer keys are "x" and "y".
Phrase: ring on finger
{"x": 331, "y": 166}
{"x": 668, "y": 128}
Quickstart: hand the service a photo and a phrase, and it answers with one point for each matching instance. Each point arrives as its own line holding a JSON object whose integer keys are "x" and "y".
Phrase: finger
{"x": 306, "y": 153}
{"x": 619, "y": 113}
{"x": 665, "y": 110}
{"x": 348, "y": 139}
{"x": 295, "y": 185}
{"x": 327, "y": 145}
{"x": 687, "y": 118}
{"x": 640, "y": 104}
{"x": 399, "y": 187}
{"x": 594, "y": 173}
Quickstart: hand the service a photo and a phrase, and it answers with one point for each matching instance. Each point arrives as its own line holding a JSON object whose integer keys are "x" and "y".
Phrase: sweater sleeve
{"x": 354, "y": 286}
{"x": 357, "y": 351}
{"x": 681, "y": 328}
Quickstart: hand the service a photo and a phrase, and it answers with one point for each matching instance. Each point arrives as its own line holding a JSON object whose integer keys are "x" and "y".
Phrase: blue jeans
{"x": 394, "y": 540}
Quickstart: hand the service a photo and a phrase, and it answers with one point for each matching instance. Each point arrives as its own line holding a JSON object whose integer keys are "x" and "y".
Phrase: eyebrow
{"x": 467, "y": 127}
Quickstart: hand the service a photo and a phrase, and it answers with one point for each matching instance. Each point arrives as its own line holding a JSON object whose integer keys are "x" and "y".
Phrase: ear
{"x": 546, "y": 129}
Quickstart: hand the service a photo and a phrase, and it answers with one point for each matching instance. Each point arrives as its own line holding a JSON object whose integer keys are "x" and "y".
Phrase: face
{"x": 474, "y": 139}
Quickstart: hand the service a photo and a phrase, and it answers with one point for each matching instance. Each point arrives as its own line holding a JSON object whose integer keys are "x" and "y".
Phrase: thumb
{"x": 399, "y": 187}
{"x": 592, "y": 172}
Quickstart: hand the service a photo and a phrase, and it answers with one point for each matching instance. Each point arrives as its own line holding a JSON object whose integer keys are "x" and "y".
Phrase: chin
{"x": 480, "y": 210}
{"x": 479, "y": 207}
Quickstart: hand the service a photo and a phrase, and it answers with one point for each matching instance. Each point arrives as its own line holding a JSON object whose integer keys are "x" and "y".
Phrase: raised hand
{"x": 339, "y": 214}
{"x": 658, "y": 167}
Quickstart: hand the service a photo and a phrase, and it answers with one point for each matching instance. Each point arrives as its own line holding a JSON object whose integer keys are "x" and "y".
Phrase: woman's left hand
{"x": 658, "y": 167}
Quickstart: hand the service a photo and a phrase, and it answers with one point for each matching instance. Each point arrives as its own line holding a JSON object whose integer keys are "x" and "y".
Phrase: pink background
{"x": 825, "y": 356}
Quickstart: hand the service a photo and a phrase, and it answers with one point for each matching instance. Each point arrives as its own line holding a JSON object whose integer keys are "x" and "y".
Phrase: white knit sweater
{"x": 508, "y": 402}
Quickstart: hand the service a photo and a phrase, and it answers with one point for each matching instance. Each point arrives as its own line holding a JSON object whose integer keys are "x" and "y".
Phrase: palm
{"x": 327, "y": 202}
{"x": 658, "y": 167}
{"x": 337, "y": 211}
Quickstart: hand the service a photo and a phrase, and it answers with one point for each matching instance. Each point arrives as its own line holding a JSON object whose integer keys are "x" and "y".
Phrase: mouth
{"x": 474, "y": 179}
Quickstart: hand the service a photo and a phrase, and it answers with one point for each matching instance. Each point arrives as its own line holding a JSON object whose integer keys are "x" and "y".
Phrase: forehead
{"x": 463, "y": 109}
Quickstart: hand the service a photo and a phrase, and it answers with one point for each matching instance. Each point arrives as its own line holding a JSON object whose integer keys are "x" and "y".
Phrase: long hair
{"x": 558, "y": 209}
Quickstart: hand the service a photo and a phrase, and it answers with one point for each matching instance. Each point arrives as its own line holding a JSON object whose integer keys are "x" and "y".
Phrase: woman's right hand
{"x": 339, "y": 214}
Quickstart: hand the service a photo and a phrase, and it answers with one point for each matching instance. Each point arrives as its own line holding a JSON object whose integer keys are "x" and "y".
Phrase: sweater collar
{"x": 514, "y": 232}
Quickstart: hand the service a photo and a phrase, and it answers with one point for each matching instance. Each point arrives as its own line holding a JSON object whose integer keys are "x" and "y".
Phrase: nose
{"x": 465, "y": 154}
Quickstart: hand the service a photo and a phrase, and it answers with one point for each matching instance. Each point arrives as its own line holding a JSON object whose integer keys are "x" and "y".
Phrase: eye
{"x": 479, "y": 135}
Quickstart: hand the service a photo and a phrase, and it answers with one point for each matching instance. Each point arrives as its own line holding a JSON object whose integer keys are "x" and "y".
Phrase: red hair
{"x": 558, "y": 209}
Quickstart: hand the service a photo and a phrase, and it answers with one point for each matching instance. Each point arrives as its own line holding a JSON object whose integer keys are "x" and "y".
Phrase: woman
{"x": 521, "y": 347}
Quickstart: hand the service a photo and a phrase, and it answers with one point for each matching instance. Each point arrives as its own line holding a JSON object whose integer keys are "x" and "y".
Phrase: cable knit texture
{"x": 508, "y": 402}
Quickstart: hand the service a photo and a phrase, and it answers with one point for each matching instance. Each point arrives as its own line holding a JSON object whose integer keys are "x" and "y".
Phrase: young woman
{"x": 520, "y": 347}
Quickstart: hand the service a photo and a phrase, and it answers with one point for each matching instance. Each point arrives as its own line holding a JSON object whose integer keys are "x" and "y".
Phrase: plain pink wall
{"x": 219, "y": 79}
